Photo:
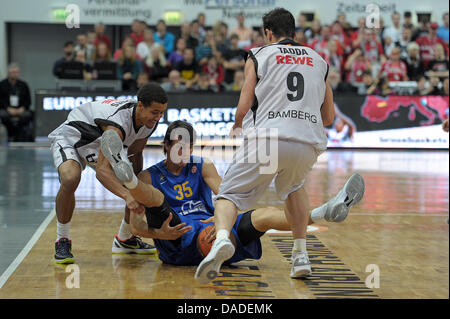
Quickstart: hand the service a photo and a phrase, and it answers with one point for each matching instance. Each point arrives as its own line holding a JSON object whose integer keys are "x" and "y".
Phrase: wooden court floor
{"x": 394, "y": 244}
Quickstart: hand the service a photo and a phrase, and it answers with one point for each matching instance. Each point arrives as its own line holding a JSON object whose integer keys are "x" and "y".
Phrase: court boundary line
{"x": 25, "y": 250}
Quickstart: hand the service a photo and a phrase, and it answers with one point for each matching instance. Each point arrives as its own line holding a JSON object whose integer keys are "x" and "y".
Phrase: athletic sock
{"x": 221, "y": 234}
{"x": 62, "y": 230}
{"x": 299, "y": 246}
{"x": 132, "y": 184}
{"x": 319, "y": 213}
{"x": 124, "y": 231}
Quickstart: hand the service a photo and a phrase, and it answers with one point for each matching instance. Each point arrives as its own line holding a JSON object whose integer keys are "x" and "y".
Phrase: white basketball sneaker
{"x": 221, "y": 251}
{"x": 300, "y": 265}
{"x": 351, "y": 194}
{"x": 112, "y": 149}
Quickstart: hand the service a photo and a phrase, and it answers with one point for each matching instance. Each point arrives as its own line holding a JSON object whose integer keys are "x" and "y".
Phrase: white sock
{"x": 124, "y": 231}
{"x": 299, "y": 246}
{"x": 222, "y": 233}
{"x": 62, "y": 230}
{"x": 132, "y": 184}
{"x": 318, "y": 213}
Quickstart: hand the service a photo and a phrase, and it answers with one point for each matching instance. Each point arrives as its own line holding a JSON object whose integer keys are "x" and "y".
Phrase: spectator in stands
{"x": 404, "y": 41}
{"x": 206, "y": 49}
{"x": 144, "y": 47}
{"x": 330, "y": 54}
{"x": 427, "y": 43}
{"x": 394, "y": 69}
{"x": 435, "y": 86}
{"x": 126, "y": 42}
{"x": 83, "y": 45}
{"x": 201, "y": 18}
{"x": 204, "y": 85}
{"x": 302, "y": 23}
{"x": 334, "y": 78}
{"x": 156, "y": 65}
{"x": 195, "y": 32}
{"x": 413, "y": 62}
{"x": 373, "y": 49}
{"x": 438, "y": 67}
{"x": 90, "y": 38}
{"x": 381, "y": 87}
{"x": 164, "y": 37}
{"x": 68, "y": 56}
{"x": 142, "y": 80}
{"x": 238, "y": 81}
{"x": 244, "y": 33}
{"x": 137, "y": 31}
{"x": 338, "y": 35}
{"x": 313, "y": 33}
{"x": 215, "y": 72}
{"x": 443, "y": 29}
{"x": 422, "y": 86}
{"x": 188, "y": 68}
{"x": 407, "y": 21}
{"x": 185, "y": 34}
{"x": 422, "y": 29}
{"x": 15, "y": 101}
{"x": 367, "y": 81}
{"x": 357, "y": 63}
{"x": 102, "y": 53}
{"x": 223, "y": 30}
{"x": 222, "y": 44}
{"x": 320, "y": 43}
{"x": 301, "y": 38}
{"x": 357, "y": 35}
{"x": 100, "y": 35}
{"x": 342, "y": 20}
{"x": 177, "y": 55}
{"x": 388, "y": 45}
{"x": 80, "y": 56}
{"x": 257, "y": 41}
{"x": 394, "y": 32}
{"x": 233, "y": 59}
{"x": 174, "y": 84}
{"x": 129, "y": 68}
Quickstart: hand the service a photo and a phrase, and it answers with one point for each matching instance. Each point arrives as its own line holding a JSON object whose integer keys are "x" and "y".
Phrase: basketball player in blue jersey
{"x": 75, "y": 144}
{"x": 286, "y": 91}
{"x": 187, "y": 183}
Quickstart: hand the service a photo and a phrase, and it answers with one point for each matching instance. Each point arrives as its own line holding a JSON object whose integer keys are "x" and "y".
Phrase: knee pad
{"x": 246, "y": 231}
{"x": 157, "y": 215}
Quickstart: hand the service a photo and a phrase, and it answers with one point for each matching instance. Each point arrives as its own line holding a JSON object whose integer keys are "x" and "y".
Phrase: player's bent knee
{"x": 69, "y": 176}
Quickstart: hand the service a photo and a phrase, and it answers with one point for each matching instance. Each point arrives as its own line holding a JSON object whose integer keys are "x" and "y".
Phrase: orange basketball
{"x": 203, "y": 246}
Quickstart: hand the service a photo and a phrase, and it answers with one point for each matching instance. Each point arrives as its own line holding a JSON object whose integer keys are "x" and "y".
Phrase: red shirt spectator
{"x": 320, "y": 44}
{"x": 100, "y": 35}
{"x": 137, "y": 28}
{"x": 215, "y": 71}
{"x": 428, "y": 42}
{"x": 394, "y": 69}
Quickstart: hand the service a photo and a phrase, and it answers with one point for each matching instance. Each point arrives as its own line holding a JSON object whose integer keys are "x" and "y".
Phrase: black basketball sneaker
{"x": 133, "y": 245}
{"x": 63, "y": 251}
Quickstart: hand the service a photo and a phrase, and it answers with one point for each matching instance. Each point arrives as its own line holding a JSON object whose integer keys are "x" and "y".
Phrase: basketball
{"x": 203, "y": 246}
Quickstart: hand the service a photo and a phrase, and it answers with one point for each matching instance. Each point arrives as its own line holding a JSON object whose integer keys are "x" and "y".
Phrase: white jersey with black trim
{"x": 289, "y": 93}
{"x": 83, "y": 127}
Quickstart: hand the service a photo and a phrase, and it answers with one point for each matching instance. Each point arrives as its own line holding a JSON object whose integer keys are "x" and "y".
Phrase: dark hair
{"x": 281, "y": 22}
{"x": 68, "y": 43}
{"x": 407, "y": 14}
{"x": 152, "y": 92}
{"x": 175, "y": 125}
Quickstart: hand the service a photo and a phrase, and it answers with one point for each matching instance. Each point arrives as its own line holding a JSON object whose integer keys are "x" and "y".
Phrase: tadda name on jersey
{"x": 288, "y": 59}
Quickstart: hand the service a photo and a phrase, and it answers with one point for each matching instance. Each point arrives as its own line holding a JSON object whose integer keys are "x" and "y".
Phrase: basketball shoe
{"x": 351, "y": 194}
{"x": 63, "y": 251}
{"x": 112, "y": 149}
{"x": 133, "y": 245}
{"x": 221, "y": 251}
{"x": 300, "y": 265}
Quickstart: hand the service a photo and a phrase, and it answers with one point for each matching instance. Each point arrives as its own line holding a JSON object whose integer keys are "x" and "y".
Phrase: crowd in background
{"x": 211, "y": 58}
{"x": 203, "y": 58}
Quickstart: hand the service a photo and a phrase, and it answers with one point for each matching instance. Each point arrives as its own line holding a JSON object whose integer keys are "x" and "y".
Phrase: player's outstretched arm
{"x": 139, "y": 227}
{"x": 247, "y": 96}
{"x": 327, "y": 109}
{"x": 210, "y": 175}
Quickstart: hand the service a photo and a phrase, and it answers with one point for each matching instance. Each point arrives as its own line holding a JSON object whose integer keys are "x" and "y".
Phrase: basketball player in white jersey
{"x": 76, "y": 143}
{"x": 285, "y": 89}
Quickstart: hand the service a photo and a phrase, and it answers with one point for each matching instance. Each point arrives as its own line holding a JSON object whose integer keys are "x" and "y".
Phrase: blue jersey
{"x": 191, "y": 198}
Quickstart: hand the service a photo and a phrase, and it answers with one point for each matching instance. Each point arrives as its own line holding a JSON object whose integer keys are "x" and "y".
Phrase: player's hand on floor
{"x": 171, "y": 233}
